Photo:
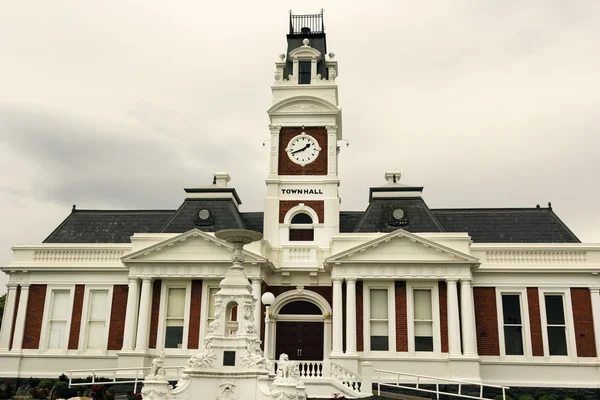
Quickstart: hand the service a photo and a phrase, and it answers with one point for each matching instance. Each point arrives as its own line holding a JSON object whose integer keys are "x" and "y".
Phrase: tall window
{"x": 175, "y": 318}
{"x": 301, "y": 228}
{"x": 423, "y": 320}
{"x": 555, "y": 325}
{"x": 304, "y": 73}
{"x": 96, "y": 324}
{"x": 513, "y": 325}
{"x": 59, "y": 314}
{"x": 379, "y": 319}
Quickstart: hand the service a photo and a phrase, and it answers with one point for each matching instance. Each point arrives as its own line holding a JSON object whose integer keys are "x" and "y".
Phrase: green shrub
{"x": 62, "y": 384}
{"x": 7, "y": 391}
{"x": 545, "y": 397}
{"x": 46, "y": 384}
{"x": 63, "y": 378}
{"x": 577, "y": 396}
{"x": 525, "y": 398}
{"x": 500, "y": 397}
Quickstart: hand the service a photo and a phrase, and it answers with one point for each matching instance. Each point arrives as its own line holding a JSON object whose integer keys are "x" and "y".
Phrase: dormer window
{"x": 301, "y": 228}
{"x": 304, "y": 72}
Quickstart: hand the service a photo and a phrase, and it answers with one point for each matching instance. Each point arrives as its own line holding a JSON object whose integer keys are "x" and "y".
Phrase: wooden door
{"x": 300, "y": 340}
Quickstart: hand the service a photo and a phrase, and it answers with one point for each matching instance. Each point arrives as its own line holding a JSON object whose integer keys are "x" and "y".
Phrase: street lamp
{"x": 267, "y": 299}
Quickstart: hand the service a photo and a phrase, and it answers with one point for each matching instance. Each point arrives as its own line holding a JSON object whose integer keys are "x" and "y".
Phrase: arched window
{"x": 301, "y": 228}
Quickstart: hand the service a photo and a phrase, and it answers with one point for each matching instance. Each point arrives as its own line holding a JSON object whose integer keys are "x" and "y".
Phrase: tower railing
{"x": 306, "y": 23}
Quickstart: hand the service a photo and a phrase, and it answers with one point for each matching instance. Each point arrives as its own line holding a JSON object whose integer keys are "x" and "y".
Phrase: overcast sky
{"x": 122, "y": 104}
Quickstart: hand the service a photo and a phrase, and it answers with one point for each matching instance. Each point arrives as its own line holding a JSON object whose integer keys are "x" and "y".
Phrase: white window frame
{"x": 45, "y": 334}
{"x": 162, "y": 315}
{"x": 525, "y": 327}
{"x": 411, "y": 286}
{"x": 569, "y": 324}
{"x": 389, "y": 286}
{"x": 85, "y": 310}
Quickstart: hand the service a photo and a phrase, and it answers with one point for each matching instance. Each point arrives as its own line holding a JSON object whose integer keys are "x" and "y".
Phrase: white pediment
{"x": 302, "y": 105}
{"x": 192, "y": 246}
{"x": 403, "y": 247}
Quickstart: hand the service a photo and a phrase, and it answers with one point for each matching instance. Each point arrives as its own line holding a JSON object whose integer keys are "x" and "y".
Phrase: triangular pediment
{"x": 401, "y": 246}
{"x": 303, "y": 104}
{"x": 192, "y": 246}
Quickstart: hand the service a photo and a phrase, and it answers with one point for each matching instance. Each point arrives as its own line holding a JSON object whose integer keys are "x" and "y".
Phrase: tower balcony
{"x": 300, "y": 257}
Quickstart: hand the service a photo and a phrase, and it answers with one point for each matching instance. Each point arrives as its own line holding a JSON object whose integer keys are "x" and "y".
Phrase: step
{"x": 397, "y": 396}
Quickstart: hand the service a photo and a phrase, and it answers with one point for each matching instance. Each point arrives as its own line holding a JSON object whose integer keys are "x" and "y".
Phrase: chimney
{"x": 221, "y": 179}
{"x": 392, "y": 177}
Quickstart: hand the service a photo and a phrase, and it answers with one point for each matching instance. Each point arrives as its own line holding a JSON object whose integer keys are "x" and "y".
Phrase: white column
{"x": 256, "y": 288}
{"x": 8, "y": 316}
{"x": 351, "y": 316}
{"x": 274, "y": 150}
{"x": 468, "y": 318}
{"x": 332, "y": 159}
{"x": 268, "y": 354}
{"x": 453, "y": 321}
{"x": 141, "y": 342}
{"x": 131, "y": 315}
{"x": 17, "y": 343}
{"x": 337, "y": 317}
{"x": 595, "y": 294}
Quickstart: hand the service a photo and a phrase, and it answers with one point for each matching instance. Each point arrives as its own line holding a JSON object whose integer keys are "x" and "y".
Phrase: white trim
{"x": 301, "y": 208}
{"x": 45, "y": 334}
{"x": 85, "y": 310}
{"x": 162, "y": 326}
{"x": 390, "y": 287}
{"x": 569, "y": 324}
{"x": 525, "y": 326}
{"x": 206, "y": 286}
{"x": 435, "y": 314}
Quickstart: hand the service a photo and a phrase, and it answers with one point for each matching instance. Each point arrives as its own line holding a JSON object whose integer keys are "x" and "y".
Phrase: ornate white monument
{"x": 230, "y": 365}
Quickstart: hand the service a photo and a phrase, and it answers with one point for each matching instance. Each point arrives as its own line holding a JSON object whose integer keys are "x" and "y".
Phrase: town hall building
{"x": 501, "y": 296}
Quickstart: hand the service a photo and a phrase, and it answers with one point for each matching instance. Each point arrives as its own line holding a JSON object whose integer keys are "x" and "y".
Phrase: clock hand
{"x": 302, "y": 149}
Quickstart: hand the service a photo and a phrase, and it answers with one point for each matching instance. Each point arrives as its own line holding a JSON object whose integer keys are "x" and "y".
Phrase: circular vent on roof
{"x": 398, "y": 213}
{"x": 398, "y": 218}
{"x": 204, "y": 214}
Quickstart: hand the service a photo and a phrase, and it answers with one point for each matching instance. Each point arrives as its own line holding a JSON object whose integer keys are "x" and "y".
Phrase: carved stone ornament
{"x": 303, "y": 108}
{"x": 149, "y": 393}
{"x": 288, "y": 373}
{"x": 252, "y": 358}
{"x": 213, "y": 326}
{"x": 227, "y": 391}
{"x": 157, "y": 372}
{"x": 203, "y": 359}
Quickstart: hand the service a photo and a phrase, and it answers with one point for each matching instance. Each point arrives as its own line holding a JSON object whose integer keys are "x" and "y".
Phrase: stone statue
{"x": 157, "y": 372}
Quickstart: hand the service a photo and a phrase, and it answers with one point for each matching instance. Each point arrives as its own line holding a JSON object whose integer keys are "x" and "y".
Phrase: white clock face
{"x": 303, "y": 149}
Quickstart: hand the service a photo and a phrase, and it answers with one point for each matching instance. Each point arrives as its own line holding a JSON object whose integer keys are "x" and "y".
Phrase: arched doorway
{"x": 300, "y": 331}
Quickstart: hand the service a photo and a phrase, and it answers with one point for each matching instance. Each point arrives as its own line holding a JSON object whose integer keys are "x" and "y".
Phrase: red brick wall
{"x": 195, "y": 307}
{"x": 76, "y": 317}
{"x": 287, "y": 205}
{"x": 584, "y": 322}
{"x": 535, "y": 323}
{"x": 486, "y": 321}
{"x": 34, "y": 316}
{"x": 360, "y": 344}
{"x": 317, "y": 167}
{"x": 117, "y": 317}
{"x": 401, "y": 319}
{"x": 154, "y": 313}
{"x": 14, "y": 321}
{"x": 443, "y": 294}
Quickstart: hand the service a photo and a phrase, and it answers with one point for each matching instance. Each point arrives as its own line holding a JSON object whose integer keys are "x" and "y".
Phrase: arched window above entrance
{"x": 300, "y": 308}
{"x": 301, "y": 228}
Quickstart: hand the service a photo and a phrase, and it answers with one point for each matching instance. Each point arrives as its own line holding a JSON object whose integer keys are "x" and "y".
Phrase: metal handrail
{"x": 114, "y": 371}
{"x": 437, "y": 385}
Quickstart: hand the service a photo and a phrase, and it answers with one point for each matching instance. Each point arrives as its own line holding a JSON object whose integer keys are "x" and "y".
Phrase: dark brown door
{"x": 300, "y": 340}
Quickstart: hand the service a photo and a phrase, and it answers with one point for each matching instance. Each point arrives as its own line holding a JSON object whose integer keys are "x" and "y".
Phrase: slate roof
{"x": 507, "y": 225}
{"x": 349, "y": 219}
{"x": 378, "y": 216}
{"x": 253, "y": 220}
{"x": 223, "y": 215}
{"x": 115, "y": 226}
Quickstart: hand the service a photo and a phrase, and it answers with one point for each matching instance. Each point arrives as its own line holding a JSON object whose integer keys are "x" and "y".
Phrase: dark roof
{"x": 223, "y": 215}
{"x": 253, "y": 220}
{"x": 115, "y": 226}
{"x": 378, "y": 216}
{"x": 349, "y": 219}
{"x": 507, "y": 225}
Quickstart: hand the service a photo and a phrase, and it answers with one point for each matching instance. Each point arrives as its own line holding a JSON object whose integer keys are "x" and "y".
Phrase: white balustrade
{"x": 299, "y": 255}
{"x": 77, "y": 255}
{"x": 307, "y": 369}
{"x": 345, "y": 377}
{"x": 535, "y": 257}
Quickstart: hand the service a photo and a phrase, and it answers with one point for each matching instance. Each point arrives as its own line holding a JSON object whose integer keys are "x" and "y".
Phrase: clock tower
{"x": 302, "y": 204}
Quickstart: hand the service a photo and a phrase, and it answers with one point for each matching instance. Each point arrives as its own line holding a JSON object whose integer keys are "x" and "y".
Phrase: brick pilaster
{"x": 117, "y": 317}
{"x": 76, "y": 317}
{"x": 401, "y": 319}
{"x": 34, "y": 316}
{"x": 583, "y": 319}
{"x": 535, "y": 322}
{"x": 486, "y": 320}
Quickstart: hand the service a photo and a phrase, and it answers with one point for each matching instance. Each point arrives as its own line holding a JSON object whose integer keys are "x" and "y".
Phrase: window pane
{"x": 557, "y": 341}
{"x": 301, "y": 218}
{"x": 513, "y": 340}
{"x": 176, "y": 302}
{"x": 379, "y": 328}
{"x": 60, "y": 306}
{"x": 98, "y": 304}
{"x": 379, "y": 343}
{"x": 511, "y": 308}
{"x": 304, "y": 67}
{"x": 423, "y": 336}
{"x": 379, "y": 304}
{"x": 96, "y": 335}
{"x": 174, "y": 336}
{"x": 56, "y": 339}
{"x": 422, "y": 304}
{"x": 211, "y": 302}
{"x": 555, "y": 314}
